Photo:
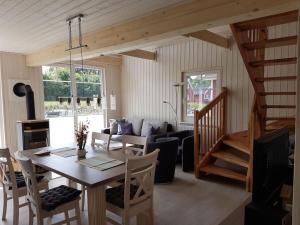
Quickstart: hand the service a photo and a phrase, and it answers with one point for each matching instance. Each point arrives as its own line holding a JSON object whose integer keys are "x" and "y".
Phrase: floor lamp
{"x": 175, "y": 109}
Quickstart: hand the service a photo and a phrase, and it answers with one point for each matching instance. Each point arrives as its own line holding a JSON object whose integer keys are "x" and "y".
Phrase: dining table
{"x": 95, "y": 180}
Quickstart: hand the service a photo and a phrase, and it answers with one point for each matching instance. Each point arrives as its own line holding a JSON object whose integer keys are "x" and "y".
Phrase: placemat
{"x": 64, "y": 152}
{"x": 100, "y": 162}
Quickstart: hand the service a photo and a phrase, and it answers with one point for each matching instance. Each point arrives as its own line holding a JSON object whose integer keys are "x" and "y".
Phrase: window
{"x": 59, "y": 106}
{"x": 198, "y": 90}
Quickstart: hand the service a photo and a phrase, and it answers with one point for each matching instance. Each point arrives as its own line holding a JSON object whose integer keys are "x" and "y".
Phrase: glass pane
{"x": 200, "y": 90}
{"x": 57, "y": 103}
{"x": 89, "y": 89}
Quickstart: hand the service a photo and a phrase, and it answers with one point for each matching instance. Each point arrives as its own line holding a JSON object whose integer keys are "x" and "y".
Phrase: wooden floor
{"x": 187, "y": 201}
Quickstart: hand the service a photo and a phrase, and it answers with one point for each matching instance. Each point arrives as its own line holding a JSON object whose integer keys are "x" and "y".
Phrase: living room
{"x": 150, "y": 76}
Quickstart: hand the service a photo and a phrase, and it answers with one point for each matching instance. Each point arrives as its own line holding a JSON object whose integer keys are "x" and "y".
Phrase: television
{"x": 270, "y": 166}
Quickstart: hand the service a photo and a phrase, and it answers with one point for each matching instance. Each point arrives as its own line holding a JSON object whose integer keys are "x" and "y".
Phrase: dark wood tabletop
{"x": 70, "y": 168}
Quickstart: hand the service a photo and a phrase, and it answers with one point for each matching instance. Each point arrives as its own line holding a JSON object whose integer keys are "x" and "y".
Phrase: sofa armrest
{"x": 105, "y": 131}
{"x": 152, "y": 138}
{"x": 181, "y": 134}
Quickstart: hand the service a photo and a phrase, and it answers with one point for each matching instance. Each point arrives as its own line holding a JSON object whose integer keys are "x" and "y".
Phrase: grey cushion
{"x": 163, "y": 127}
{"x": 116, "y": 137}
{"x": 136, "y": 125}
{"x": 146, "y": 131}
{"x": 113, "y": 123}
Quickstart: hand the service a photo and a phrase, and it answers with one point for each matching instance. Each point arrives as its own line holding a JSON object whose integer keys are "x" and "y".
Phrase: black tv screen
{"x": 270, "y": 166}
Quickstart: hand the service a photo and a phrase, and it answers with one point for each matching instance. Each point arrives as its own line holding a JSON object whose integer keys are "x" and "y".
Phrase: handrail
{"x": 210, "y": 123}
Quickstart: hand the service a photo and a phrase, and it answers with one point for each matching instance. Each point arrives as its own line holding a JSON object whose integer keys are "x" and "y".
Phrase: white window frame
{"x": 190, "y": 119}
{"x": 74, "y": 86}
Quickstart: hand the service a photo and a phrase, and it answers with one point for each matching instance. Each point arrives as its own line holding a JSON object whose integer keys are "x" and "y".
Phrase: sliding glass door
{"x": 71, "y": 98}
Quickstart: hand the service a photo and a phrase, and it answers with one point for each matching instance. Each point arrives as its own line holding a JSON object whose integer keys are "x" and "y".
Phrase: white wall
{"x": 145, "y": 84}
{"x": 13, "y": 67}
{"x": 113, "y": 86}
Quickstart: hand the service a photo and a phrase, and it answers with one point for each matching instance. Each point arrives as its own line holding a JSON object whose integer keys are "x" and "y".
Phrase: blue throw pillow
{"x": 154, "y": 130}
{"x": 125, "y": 129}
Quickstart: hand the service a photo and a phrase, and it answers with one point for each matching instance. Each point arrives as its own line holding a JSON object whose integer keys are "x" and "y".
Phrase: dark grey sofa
{"x": 139, "y": 127}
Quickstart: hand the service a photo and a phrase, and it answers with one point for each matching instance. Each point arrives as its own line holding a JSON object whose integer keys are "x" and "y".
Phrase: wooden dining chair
{"x": 134, "y": 145}
{"x": 135, "y": 196}
{"x": 100, "y": 140}
{"x": 14, "y": 186}
{"x": 51, "y": 202}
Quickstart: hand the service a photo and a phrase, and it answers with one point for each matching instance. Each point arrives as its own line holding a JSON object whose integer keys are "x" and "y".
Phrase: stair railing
{"x": 209, "y": 129}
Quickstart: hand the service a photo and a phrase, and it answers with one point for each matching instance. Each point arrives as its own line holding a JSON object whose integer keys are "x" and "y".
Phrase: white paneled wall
{"x": 112, "y": 86}
{"x": 13, "y": 67}
{"x": 145, "y": 84}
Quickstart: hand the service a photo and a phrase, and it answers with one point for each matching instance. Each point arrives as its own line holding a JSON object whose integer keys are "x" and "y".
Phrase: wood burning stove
{"x": 33, "y": 134}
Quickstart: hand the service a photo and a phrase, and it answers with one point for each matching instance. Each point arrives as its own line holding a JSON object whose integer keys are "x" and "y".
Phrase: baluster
{"x": 218, "y": 120}
{"x": 201, "y": 141}
{"x": 204, "y": 135}
{"x": 211, "y": 127}
{"x": 214, "y": 124}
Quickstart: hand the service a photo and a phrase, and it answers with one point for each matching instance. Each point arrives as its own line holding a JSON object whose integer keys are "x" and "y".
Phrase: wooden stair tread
{"x": 238, "y": 141}
{"x": 277, "y": 93}
{"x": 271, "y": 43}
{"x": 229, "y": 157}
{"x": 280, "y": 124}
{"x": 263, "y": 22}
{"x": 212, "y": 169}
{"x": 263, "y": 79}
{"x": 272, "y": 62}
{"x": 279, "y": 106}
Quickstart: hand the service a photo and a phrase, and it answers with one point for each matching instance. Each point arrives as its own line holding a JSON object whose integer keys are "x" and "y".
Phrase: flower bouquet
{"x": 81, "y": 136}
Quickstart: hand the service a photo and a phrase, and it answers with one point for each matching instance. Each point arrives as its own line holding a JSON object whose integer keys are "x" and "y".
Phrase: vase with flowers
{"x": 81, "y": 136}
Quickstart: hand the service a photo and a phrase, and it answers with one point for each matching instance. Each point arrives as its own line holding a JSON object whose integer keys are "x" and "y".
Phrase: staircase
{"x": 230, "y": 155}
{"x": 213, "y": 145}
{"x": 252, "y": 40}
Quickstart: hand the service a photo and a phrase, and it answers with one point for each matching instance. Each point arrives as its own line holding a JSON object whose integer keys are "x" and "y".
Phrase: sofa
{"x": 152, "y": 129}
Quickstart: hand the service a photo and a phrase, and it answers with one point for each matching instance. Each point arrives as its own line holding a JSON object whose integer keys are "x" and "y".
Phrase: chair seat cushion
{"x": 115, "y": 195}
{"x": 57, "y": 196}
{"x": 20, "y": 179}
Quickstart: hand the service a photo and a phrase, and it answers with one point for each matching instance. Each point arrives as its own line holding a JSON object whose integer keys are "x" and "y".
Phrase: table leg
{"x": 142, "y": 219}
{"x": 96, "y": 205}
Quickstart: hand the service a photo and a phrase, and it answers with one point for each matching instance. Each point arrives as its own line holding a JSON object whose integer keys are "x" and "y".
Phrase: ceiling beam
{"x": 140, "y": 54}
{"x": 184, "y": 18}
{"x": 98, "y": 61}
{"x": 210, "y": 37}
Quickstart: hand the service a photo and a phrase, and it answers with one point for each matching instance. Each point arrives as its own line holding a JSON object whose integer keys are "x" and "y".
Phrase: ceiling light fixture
{"x": 69, "y": 20}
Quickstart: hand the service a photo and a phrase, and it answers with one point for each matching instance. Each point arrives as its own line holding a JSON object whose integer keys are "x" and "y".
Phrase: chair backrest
{"x": 139, "y": 178}
{"x": 30, "y": 179}
{"x": 135, "y": 141}
{"x": 103, "y": 138}
{"x": 7, "y": 173}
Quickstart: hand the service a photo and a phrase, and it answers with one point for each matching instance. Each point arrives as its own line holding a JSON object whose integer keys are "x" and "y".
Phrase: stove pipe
{"x": 22, "y": 90}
